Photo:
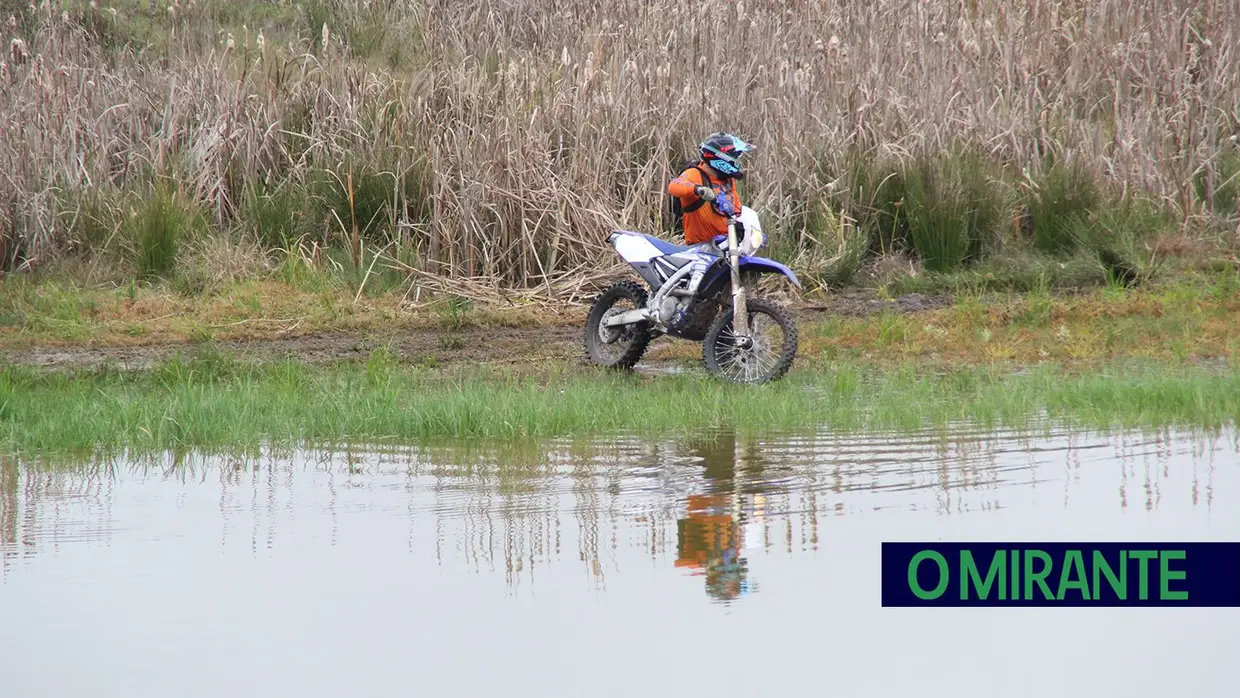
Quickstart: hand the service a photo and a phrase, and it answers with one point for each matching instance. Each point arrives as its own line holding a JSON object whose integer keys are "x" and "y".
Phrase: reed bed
{"x": 501, "y": 139}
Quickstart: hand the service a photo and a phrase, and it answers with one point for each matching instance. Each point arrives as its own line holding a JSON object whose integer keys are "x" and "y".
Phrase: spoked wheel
{"x": 764, "y": 356}
{"x": 622, "y": 346}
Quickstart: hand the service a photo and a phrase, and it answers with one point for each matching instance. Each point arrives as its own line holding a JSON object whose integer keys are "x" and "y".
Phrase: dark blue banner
{"x": 1061, "y": 574}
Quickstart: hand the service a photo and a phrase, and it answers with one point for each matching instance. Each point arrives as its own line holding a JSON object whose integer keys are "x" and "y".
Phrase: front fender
{"x": 762, "y": 265}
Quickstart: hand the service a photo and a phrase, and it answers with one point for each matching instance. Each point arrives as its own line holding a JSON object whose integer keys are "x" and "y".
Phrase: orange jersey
{"x": 705, "y": 223}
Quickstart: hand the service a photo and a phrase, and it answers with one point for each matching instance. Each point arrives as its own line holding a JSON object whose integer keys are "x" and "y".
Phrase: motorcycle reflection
{"x": 711, "y": 537}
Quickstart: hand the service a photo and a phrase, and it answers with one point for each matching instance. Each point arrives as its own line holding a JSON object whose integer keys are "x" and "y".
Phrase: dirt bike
{"x": 700, "y": 293}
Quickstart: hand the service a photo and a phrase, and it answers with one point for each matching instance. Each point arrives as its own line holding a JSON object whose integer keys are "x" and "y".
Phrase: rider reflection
{"x": 710, "y": 539}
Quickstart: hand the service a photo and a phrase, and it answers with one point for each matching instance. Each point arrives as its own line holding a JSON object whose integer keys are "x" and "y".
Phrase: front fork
{"x": 740, "y": 314}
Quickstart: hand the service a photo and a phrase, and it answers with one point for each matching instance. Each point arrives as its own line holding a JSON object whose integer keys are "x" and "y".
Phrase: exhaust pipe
{"x": 627, "y": 318}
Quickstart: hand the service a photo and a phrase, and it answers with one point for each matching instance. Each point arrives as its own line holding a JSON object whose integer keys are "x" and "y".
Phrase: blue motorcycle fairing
{"x": 664, "y": 246}
{"x": 669, "y": 259}
{"x": 699, "y": 251}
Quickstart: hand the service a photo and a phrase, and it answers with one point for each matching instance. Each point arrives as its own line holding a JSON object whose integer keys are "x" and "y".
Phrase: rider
{"x": 714, "y": 175}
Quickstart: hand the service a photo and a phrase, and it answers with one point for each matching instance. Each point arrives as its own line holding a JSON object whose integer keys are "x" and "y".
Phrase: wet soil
{"x": 861, "y": 303}
{"x": 431, "y": 346}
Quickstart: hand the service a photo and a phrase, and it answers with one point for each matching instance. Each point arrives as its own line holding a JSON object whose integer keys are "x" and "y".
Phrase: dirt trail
{"x": 428, "y": 345}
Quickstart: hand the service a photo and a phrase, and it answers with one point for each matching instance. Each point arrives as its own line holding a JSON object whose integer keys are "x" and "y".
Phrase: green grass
{"x": 216, "y": 403}
{"x": 953, "y": 210}
{"x": 160, "y": 228}
{"x": 1063, "y": 199}
{"x": 1017, "y": 270}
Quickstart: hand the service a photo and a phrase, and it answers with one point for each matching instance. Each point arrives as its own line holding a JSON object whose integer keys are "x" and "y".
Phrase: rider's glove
{"x": 705, "y": 193}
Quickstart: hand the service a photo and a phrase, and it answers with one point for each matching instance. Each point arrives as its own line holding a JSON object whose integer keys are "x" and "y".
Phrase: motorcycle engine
{"x": 674, "y": 313}
{"x": 667, "y": 310}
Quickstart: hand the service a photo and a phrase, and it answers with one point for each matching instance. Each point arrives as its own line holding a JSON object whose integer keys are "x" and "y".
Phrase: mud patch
{"x": 419, "y": 346}
{"x": 433, "y": 347}
{"x": 862, "y": 303}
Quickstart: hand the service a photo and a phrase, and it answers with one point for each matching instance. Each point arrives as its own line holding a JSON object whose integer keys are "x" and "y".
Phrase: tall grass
{"x": 161, "y": 225}
{"x": 1061, "y": 205}
{"x": 953, "y": 209}
{"x": 502, "y": 139}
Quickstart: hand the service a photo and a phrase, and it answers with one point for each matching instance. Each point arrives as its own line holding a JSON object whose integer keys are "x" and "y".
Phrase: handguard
{"x": 754, "y": 239}
{"x": 723, "y": 205}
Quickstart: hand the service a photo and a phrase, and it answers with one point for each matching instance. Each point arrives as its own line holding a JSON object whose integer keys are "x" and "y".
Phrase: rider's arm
{"x": 686, "y": 184}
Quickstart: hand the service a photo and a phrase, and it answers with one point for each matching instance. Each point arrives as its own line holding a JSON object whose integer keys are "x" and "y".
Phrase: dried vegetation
{"x": 487, "y": 144}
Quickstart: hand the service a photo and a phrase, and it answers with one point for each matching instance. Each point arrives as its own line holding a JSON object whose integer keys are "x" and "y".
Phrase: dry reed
{"x": 501, "y": 139}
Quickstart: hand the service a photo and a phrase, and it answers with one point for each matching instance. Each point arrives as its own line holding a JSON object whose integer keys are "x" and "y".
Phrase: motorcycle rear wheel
{"x": 617, "y": 347}
{"x": 765, "y": 361}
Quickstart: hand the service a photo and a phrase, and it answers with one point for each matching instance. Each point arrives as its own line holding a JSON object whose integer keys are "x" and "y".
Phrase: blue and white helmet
{"x": 722, "y": 151}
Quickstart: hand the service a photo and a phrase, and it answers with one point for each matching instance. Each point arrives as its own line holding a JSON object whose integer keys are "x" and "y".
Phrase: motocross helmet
{"x": 722, "y": 151}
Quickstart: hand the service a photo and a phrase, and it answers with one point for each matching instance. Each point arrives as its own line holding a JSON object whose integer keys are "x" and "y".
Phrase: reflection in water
{"x": 708, "y": 538}
{"x": 358, "y": 571}
{"x": 703, "y": 505}
{"x": 726, "y": 514}
{"x": 49, "y": 508}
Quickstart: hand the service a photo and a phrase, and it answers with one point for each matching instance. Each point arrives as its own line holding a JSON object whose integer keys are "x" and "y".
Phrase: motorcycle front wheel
{"x": 766, "y": 356}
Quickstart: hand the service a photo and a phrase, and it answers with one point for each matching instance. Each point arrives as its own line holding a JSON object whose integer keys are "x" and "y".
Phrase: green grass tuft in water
{"x": 214, "y": 402}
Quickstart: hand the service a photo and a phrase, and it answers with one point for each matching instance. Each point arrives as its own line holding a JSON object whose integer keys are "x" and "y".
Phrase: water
{"x": 585, "y": 569}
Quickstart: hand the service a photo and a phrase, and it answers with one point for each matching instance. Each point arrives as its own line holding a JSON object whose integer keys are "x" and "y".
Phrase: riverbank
{"x": 104, "y": 370}
{"x": 1182, "y": 318}
{"x": 1163, "y": 355}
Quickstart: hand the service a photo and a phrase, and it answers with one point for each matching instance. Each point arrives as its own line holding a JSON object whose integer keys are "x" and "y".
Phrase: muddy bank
{"x": 427, "y": 346}
{"x": 430, "y": 346}
{"x": 861, "y": 303}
